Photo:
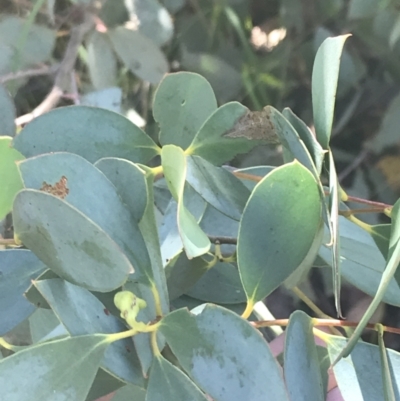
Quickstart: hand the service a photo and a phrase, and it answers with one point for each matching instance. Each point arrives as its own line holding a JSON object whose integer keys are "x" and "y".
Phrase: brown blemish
{"x": 59, "y": 189}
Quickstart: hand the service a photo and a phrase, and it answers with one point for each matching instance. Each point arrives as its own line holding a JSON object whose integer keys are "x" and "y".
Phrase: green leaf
{"x": 101, "y": 61}
{"x": 224, "y": 78}
{"x": 392, "y": 263}
{"x": 7, "y": 113}
{"x": 363, "y": 8}
{"x": 361, "y": 257}
{"x": 308, "y": 138}
{"x": 154, "y": 20}
{"x": 17, "y": 269}
{"x": 42, "y": 324}
{"x": 103, "y": 384}
{"x": 289, "y": 138}
{"x": 35, "y": 48}
{"x": 168, "y": 383}
{"x": 174, "y": 164}
{"x": 324, "y": 84}
{"x": 53, "y": 369}
{"x": 86, "y": 256}
{"x": 217, "y": 186}
{"x": 82, "y": 313}
{"x": 182, "y": 103}
{"x": 87, "y": 131}
{"x": 108, "y": 98}
{"x": 284, "y": 205}
{"x": 334, "y": 199}
{"x": 10, "y": 179}
{"x": 302, "y": 372}
{"x": 219, "y": 344}
{"x": 183, "y": 273}
{"x": 130, "y": 183}
{"x": 148, "y": 228}
{"x": 88, "y": 190}
{"x": 386, "y": 373}
{"x": 130, "y": 392}
{"x": 139, "y": 54}
{"x": 34, "y": 296}
{"x": 212, "y": 142}
{"x": 359, "y": 376}
{"x": 220, "y": 285}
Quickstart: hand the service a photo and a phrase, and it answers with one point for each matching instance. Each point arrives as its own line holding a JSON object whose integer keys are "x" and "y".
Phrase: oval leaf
{"x": 140, "y": 54}
{"x": 219, "y": 344}
{"x": 283, "y": 206}
{"x": 83, "y": 186}
{"x": 68, "y": 242}
{"x": 53, "y": 369}
{"x": 87, "y": 131}
{"x": 182, "y": 103}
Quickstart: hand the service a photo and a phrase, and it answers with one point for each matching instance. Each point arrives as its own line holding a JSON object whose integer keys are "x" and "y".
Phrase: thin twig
{"x": 33, "y": 72}
{"x": 62, "y": 79}
{"x": 222, "y": 240}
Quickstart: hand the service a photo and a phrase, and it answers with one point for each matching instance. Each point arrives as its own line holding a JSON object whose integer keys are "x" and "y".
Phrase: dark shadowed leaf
{"x": 17, "y": 268}
{"x": 139, "y": 53}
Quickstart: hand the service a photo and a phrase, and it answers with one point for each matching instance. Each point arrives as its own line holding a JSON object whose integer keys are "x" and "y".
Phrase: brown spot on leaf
{"x": 59, "y": 189}
{"x": 254, "y": 125}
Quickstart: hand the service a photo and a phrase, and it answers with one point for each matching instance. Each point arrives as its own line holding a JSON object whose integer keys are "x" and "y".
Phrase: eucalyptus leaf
{"x": 302, "y": 372}
{"x": 324, "y": 84}
{"x": 10, "y": 179}
{"x": 47, "y": 376}
{"x": 218, "y": 140}
{"x": 217, "y": 343}
{"x": 87, "y": 131}
{"x": 82, "y": 313}
{"x": 168, "y": 383}
{"x": 359, "y": 375}
{"x": 182, "y": 103}
{"x": 265, "y": 233}
{"x": 7, "y": 113}
{"x": 101, "y": 61}
{"x": 46, "y": 225}
{"x": 83, "y": 186}
{"x": 17, "y": 268}
{"x": 195, "y": 242}
{"x": 139, "y": 54}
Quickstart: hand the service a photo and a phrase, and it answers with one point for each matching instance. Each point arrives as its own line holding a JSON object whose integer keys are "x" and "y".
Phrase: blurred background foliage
{"x": 257, "y": 52}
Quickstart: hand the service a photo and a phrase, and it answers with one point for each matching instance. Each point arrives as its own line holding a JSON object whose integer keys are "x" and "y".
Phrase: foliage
{"x": 114, "y": 244}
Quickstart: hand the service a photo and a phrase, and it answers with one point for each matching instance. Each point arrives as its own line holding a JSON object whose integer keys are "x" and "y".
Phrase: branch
{"x": 222, "y": 240}
{"x": 44, "y": 70}
{"x": 66, "y": 66}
